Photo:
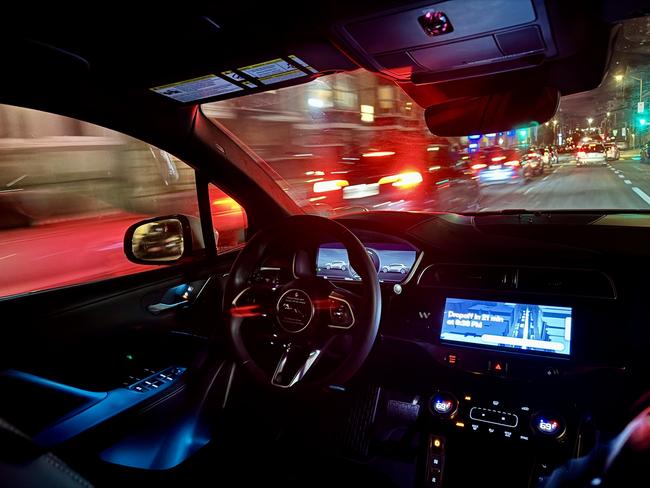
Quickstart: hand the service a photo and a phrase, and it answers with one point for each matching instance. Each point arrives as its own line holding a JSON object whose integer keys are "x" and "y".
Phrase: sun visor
{"x": 299, "y": 65}
{"x": 450, "y": 39}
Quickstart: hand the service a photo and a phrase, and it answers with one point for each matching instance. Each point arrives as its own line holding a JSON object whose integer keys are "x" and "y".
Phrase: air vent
{"x": 468, "y": 276}
{"x": 553, "y": 281}
{"x": 577, "y": 282}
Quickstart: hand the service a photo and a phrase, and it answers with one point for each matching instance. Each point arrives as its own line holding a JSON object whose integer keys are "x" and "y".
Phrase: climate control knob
{"x": 444, "y": 404}
{"x": 546, "y": 424}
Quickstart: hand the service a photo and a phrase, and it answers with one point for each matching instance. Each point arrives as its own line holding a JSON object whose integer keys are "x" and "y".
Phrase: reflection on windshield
{"x": 352, "y": 142}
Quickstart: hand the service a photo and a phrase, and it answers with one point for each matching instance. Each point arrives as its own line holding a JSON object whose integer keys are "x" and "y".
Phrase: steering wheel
{"x": 310, "y": 323}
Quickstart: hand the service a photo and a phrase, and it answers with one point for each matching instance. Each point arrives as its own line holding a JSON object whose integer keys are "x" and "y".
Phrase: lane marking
{"x": 627, "y": 182}
{"x": 527, "y": 191}
{"x": 644, "y": 196}
{"x": 621, "y": 176}
{"x": 8, "y": 256}
{"x": 545, "y": 178}
{"x": 13, "y": 182}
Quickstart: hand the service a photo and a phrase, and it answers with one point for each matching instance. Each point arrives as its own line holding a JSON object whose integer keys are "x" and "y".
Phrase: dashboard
{"x": 488, "y": 288}
{"x": 504, "y": 335}
{"x": 473, "y": 291}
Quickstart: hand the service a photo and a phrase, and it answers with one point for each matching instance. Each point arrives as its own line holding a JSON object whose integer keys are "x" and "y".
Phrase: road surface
{"x": 622, "y": 184}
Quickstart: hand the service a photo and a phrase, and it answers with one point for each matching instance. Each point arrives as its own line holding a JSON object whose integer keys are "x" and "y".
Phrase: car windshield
{"x": 351, "y": 142}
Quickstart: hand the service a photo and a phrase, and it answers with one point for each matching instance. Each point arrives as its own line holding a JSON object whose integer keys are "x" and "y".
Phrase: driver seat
{"x": 24, "y": 464}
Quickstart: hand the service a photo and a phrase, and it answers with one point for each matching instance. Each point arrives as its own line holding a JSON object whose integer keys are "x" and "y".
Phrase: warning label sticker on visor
{"x": 197, "y": 88}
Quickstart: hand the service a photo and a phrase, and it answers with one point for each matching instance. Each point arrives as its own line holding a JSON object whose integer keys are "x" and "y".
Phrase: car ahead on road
{"x": 394, "y": 177}
{"x": 612, "y": 152}
{"x": 590, "y": 154}
{"x": 394, "y": 268}
{"x": 537, "y": 160}
{"x": 497, "y": 165}
{"x": 340, "y": 265}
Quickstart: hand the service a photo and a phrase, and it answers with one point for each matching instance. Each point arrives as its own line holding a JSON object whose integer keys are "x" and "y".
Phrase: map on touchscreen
{"x": 521, "y": 326}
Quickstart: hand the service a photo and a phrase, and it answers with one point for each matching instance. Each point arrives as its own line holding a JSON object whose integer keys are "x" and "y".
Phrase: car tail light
{"x": 511, "y": 163}
{"x": 479, "y": 166}
{"x": 402, "y": 180}
{"x": 582, "y": 154}
{"x": 329, "y": 185}
{"x": 498, "y": 158}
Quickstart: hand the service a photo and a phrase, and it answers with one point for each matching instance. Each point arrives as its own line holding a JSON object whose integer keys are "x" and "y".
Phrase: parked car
{"x": 340, "y": 265}
{"x": 592, "y": 153}
{"x": 612, "y": 152}
{"x": 394, "y": 268}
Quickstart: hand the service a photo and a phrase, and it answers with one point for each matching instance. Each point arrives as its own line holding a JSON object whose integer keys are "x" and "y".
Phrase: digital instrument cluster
{"x": 393, "y": 261}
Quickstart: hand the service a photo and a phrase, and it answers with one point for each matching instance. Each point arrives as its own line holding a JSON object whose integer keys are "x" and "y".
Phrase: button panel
{"x": 157, "y": 380}
{"x": 491, "y": 416}
{"x": 435, "y": 461}
{"x": 496, "y": 418}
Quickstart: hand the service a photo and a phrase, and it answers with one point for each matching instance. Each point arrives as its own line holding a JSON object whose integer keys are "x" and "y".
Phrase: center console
{"x": 471, "y": 433}
{"x": 504, "y": 400}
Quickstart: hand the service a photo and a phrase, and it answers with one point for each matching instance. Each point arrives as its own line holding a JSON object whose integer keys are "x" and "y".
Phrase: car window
{"x": 68, "y": 192}
{"x": 593, "y": 147}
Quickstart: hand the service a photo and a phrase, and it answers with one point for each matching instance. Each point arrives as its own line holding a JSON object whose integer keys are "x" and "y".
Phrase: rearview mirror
{"x": 161, "y": 240}
{"x": 521, "y": 107}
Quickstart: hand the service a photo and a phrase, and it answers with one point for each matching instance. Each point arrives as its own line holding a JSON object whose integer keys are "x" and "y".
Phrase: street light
{"x": 618, "y": 78}
{"x": 589, "y": 121}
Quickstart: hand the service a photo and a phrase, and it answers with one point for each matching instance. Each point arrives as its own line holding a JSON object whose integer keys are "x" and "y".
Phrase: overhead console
{"x": 448, "y": 40}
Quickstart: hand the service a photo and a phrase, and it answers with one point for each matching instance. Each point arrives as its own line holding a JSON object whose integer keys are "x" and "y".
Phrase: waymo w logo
{"x": 424, "y": 315}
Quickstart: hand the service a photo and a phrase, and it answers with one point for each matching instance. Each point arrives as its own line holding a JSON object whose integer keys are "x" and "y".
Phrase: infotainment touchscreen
{"x": 521, "y": 326}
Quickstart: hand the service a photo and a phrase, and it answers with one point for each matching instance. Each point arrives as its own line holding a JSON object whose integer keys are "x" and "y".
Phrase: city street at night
{"x": 622, "y": 184}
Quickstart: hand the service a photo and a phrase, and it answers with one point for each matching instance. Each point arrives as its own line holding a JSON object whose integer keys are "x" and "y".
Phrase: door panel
{"x": 81, "y": 355}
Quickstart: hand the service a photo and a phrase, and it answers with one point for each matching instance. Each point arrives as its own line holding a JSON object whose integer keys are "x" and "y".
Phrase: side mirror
{"x": 162, "y": 240}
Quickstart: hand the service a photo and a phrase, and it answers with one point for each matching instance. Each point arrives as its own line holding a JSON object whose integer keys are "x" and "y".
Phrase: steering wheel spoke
{"x": 344, "y": 309}
{"x": 255, "y": 301}
{"x": 294, "y": 363}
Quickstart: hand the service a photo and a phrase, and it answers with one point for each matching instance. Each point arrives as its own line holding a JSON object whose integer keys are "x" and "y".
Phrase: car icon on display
{"x": 394, "y": 268}
{"x": 342, "y": 265}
